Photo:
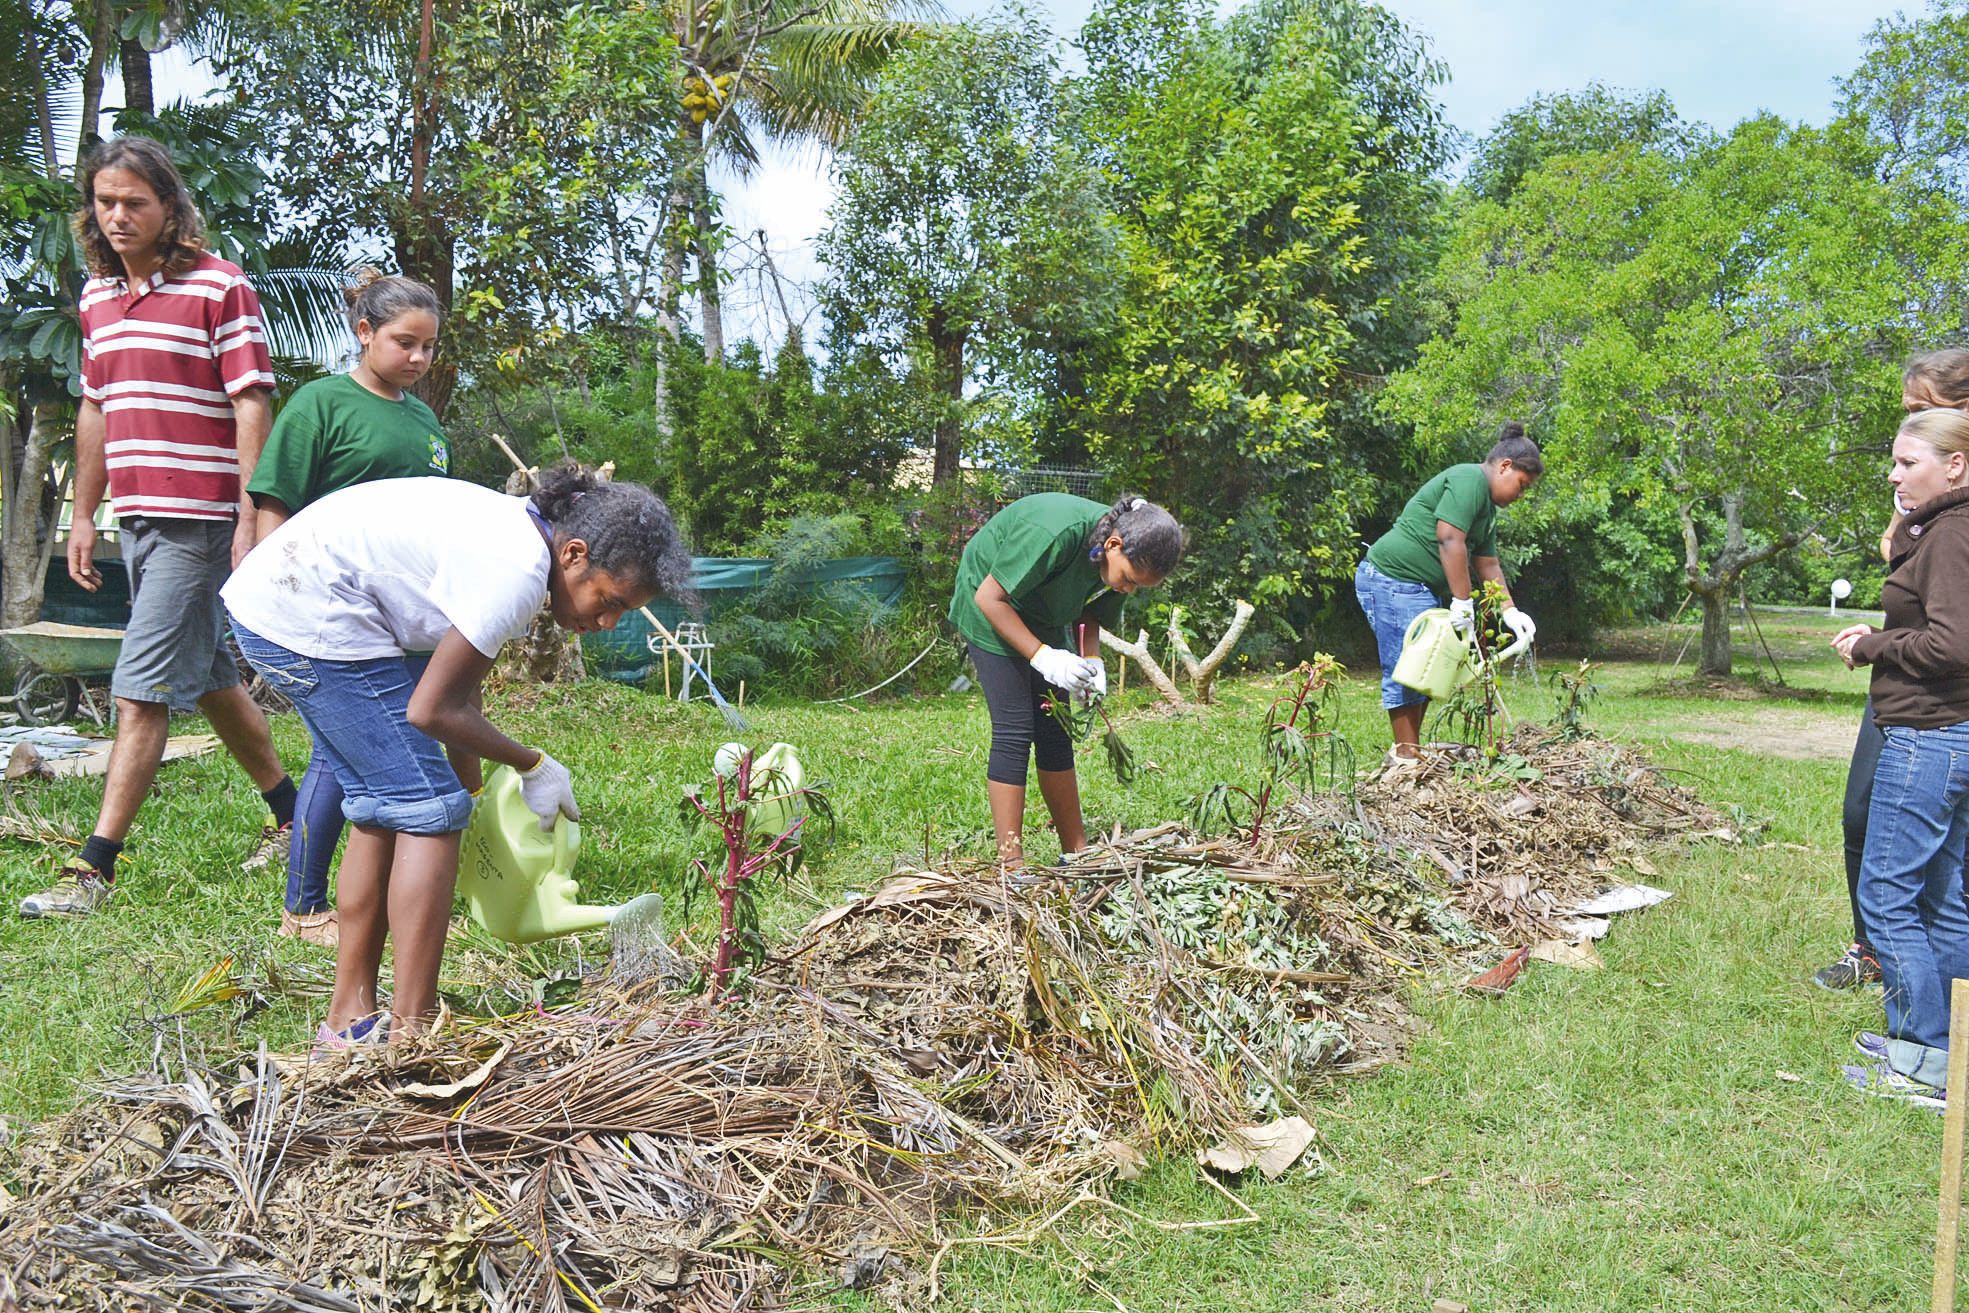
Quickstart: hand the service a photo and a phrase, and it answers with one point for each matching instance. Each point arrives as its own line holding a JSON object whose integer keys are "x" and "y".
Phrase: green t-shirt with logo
{"x": 1460, "y": 495}
{"x": 335, "y": 433}
{"x": 1036, "y": 549}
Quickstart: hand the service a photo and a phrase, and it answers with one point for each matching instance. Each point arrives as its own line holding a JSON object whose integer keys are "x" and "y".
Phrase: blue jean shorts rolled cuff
{"x": 1919, "y": 1062}
{"x": 444, "y": 814}
{"x": 1391, "y": 605}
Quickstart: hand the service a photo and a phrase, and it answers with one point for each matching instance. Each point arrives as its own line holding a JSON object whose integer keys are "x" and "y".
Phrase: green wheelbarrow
{"x": 55, "y": 660}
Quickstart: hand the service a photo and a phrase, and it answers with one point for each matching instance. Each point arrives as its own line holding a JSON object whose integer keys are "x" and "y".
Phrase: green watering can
{"x": 1436, "y": 660}
{"x": 518, "y": 881}
{"x": 777, "y": 778}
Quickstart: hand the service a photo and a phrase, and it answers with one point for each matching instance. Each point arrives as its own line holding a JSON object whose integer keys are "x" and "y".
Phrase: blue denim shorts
{"x": 1391, "y": 605}
{"x": 393, "y": 777}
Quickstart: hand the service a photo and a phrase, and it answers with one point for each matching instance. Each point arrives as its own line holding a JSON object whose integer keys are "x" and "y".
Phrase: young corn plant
{"x": 1476, "y": 713}
{"x": 1302, "y": 744}
{"x": 732, "y": 803}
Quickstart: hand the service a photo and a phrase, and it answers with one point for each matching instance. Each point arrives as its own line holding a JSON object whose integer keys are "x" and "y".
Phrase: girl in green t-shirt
{"x": 332, "y": 434}
{"x": 1440, "y": 549}
{"x": 1034, "y": 588}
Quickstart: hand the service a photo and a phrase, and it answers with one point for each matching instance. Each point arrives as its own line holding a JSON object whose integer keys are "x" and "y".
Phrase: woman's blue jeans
{"x": 1911, "y": 892}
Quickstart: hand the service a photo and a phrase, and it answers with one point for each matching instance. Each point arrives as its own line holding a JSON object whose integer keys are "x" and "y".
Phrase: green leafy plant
{"x": 1301, "y": 742}
{"x": 1575, "y": 691}
{"x": 733, "y": 803}
{"x": 1079, "y": 723}
{"x": 1476, "y": 713}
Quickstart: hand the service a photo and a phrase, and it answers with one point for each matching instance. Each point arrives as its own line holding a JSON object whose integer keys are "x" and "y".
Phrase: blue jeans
{"x": 318, "y": 823}
{"x": 1911, "y": 894}
{"x": 1391, "y": 605}
{"x": 393, "y": 777}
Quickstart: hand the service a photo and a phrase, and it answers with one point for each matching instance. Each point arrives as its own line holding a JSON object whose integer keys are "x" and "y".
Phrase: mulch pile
{"x": 960, "y": 1058}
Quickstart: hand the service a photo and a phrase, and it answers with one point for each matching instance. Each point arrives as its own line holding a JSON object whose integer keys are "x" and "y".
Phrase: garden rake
{"x": 726, "y": 709}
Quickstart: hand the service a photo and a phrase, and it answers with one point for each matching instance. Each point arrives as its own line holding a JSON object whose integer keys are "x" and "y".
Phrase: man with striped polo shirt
{"x": 175, "y": 386}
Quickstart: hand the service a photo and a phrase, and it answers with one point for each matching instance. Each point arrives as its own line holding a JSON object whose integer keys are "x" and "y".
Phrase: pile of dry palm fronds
{"x": 938, "y": 1063}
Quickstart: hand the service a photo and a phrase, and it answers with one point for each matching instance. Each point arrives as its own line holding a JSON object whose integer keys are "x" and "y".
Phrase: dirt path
{"x": 1798, "y": 735}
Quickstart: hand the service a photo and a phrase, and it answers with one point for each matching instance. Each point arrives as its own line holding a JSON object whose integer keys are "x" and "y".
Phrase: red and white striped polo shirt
{"x": 164, "y": 362}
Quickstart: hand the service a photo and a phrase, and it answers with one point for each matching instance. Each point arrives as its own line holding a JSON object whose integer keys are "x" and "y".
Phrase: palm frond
{"x": 304, "y": 313}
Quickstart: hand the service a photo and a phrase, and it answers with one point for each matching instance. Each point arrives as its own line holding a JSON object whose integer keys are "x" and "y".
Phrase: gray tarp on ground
{"x": 623, "y": 654}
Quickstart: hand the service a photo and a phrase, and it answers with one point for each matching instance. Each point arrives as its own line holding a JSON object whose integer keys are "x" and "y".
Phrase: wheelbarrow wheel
{"x": 41, "y": 697}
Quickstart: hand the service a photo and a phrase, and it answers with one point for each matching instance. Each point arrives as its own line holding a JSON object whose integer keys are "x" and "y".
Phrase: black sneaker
{"x": 1856, "y": 967}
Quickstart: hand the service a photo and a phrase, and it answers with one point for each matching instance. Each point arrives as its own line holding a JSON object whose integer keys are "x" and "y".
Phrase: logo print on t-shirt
{"x": 440, "y": 455}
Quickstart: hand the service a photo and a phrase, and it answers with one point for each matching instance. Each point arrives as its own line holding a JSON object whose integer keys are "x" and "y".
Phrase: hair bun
{"x": 359, "y": 281}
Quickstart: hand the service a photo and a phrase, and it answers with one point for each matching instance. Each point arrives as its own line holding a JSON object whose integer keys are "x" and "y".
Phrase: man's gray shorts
{"x": 175, "y": 649}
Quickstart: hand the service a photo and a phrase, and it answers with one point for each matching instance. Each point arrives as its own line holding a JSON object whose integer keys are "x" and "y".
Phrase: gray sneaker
{"x": 78, "y": 890}
{"x": 271, "y": 845}
{"x": 1883, "y": 1082}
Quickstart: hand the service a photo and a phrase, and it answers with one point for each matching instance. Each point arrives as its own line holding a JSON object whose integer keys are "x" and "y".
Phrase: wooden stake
{"x": 741, "y": 695}
{"x": 1952, "y": 1128}
{"x": 666, "y": 670}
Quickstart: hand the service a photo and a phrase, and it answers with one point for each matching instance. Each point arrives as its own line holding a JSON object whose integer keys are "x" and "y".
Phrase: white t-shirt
{"x": 388, "y": 567}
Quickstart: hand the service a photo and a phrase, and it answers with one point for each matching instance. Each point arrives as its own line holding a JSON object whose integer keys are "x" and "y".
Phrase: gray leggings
{"x": 1019, "y": 729}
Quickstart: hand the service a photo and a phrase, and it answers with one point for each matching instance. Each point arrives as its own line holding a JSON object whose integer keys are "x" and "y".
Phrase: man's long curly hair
{"x": 183, "y": 239}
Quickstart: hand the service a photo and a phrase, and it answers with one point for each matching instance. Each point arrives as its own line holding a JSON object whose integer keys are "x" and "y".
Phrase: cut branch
{"x": 1139, "y": 650}
{"x": 1203, "y": 673}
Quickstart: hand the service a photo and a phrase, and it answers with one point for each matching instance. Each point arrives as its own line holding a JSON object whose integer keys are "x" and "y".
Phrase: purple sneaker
{"x": 1882, "y": 1081}
{"x": 374, "y": 1029}
{"x": 1871, "y": 1045}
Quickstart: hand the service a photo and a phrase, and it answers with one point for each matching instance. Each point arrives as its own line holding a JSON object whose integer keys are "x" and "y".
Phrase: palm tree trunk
{"x": 27, "y": 514}
{"x": 697, "y": 181}
{"x": 44, "y": 119}
{"x": 138, "y": 92}
{"x": 102, "y": 37}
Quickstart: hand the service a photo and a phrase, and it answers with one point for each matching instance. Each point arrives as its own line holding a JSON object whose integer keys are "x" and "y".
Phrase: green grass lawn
{"x": 1668, "y": 1133}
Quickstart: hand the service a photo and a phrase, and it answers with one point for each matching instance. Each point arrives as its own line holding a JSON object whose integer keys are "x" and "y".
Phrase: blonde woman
{"x": 1911, "y": 890}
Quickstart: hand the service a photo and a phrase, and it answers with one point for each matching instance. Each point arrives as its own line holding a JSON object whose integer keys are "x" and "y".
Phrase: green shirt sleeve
{"x": 1465, "y": 503}
{"x": 289, "y": 463}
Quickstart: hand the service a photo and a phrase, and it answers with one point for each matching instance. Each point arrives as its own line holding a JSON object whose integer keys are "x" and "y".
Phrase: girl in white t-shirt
{"x": 327, "y": 609}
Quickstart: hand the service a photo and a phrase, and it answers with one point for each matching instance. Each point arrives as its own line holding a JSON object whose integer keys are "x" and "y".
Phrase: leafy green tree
{"x": 1715, "y": 335}
{"x": 512, "y": 154}
{"x": 1584, "y": 122}
{"x": 1910, "y": 95}
{"x": 965, "y": 228}
{"x": 1237, "y": 180}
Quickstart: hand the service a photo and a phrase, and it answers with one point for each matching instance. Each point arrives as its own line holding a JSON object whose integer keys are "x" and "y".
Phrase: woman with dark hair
{"x": 332, "y": 434}
{"x": 1034, "y": 588}
{"x": 1938, "y": 380}
{"x": 330, "y": 608}
{"x": 1439, "y": 550}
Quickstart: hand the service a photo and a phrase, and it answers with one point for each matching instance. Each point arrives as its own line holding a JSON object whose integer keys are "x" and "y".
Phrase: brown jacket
{"x": 1921, "y": 659}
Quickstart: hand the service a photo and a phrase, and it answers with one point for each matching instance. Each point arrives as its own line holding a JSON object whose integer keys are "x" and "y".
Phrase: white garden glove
{"x": 1064, "y": 670}
{"x": 1519, "y": 624}
{"x": 1462, "y": 613}
{"x": 548, "y": 791}
{"x": 1097, "y": 689}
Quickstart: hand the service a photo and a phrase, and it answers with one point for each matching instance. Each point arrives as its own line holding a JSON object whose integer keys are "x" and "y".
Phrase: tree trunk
{"x": 138, "y": 93}
{"x": 1715, "y": 629}
{"x": 102, "y": 38}
{"x": 29, "y": 502}
{"x": 1139, "y": 651}
{"x": 704, "y": 243}
{"x": 44, "y": 119}
{"x": 947, "y": 350}
{"x": 424, "y": 250}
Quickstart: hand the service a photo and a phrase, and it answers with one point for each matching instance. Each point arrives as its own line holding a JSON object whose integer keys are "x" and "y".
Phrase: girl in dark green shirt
{"x": 332, "y": 434}
{"x": 1034, "y": 589}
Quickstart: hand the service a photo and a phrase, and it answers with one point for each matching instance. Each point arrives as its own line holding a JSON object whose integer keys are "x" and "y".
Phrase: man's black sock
{"x": 101, "y": 853}
{"x": 280, "y": 800}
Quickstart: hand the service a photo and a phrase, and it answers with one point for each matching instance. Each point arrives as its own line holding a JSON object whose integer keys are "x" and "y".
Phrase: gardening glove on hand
{"x": 1064, "y": 670}
{"x": 548, "y": 791}
{"x": 1097, "y": 689}
{"x": 1519, "y": 624}
{"x": 1462, "y": 613}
